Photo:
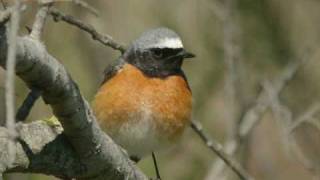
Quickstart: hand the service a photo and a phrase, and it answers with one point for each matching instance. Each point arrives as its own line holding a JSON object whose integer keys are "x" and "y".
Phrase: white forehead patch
{"x": 168, "y": 43}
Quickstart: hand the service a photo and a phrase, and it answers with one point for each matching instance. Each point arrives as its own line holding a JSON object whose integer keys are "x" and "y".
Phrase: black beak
{"x": 186, "y": 54}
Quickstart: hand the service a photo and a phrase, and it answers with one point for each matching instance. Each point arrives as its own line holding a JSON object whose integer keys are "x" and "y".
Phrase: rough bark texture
{"x": 83, "y": 148}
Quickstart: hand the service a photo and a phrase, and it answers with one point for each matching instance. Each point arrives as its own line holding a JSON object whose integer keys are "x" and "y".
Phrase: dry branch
{"x": 102, "y": 38}
{"x": 108, "y": 41}
{"x": 100, "y": 157}
{"x": 9, "y": 80}
{"x": 218, "y": 149}
{"x": 307, "y": 116}
{"x": 87, "y": 6}
{"x": 253, "y": 115}
{"x": 40, "y": 20}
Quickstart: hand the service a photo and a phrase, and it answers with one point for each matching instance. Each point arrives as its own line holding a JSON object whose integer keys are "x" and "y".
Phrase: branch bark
{"x": 252, "y": 116}
{"x": 100, "y": 157}
{"x": 9, "y": 82}
{"x": 40, "y": 149}
{"x": 102, "y": 38}
{"x": 218, "y": 149}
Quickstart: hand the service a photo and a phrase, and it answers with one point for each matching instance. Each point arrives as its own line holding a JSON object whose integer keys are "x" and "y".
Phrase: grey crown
{"x": 151, "y": 37}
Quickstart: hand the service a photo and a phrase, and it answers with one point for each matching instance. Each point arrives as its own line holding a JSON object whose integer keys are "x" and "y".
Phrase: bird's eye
{"x": 157, "y": 53}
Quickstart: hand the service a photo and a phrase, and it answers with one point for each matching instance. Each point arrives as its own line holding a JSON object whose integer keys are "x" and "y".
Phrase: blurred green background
{"x": 267, "y": 35}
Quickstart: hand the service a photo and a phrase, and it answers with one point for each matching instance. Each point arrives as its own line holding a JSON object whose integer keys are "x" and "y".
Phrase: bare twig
{"x": 10, "y": 74}
{"x": 87, "y": 6}
{"x": 307, "y": 116}
{"x": 39, "y": 22}
{"x": 252, "y": 116}
{"x": 288, "y": 126}
{"x": 102, "y": 38}
{"x": 218, "y": 150}
{"x": 225, "y": 12}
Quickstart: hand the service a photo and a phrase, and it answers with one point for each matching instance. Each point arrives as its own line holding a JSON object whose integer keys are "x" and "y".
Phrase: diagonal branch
{"x": 87, "y": 6}
{"x": 252, "y": 116}
{"x": 218, "y": 149}
{"x": 307, "y": 116}
{"x": 100, "y": 156}
{"x": 102, "y": 38}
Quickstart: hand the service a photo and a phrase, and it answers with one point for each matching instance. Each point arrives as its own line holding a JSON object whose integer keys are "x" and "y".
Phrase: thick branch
{"x": 100, "y": 156}
{"x": 41, "y": 149}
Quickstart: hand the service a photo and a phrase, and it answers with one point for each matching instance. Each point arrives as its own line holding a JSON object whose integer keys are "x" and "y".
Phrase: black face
{"x": 159, "y": 62}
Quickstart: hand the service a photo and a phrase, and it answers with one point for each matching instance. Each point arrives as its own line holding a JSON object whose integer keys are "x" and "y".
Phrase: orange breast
{"x": 130, "y": 94}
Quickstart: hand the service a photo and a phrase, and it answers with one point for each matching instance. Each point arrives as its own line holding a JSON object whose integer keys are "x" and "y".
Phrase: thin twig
{"x": 40, "y": 20}
{"x": 102, "y": 38}
{"x": 225, "y": 12}
{"x": 87, "y": 6}
{"x": 288, "y": 125}
{"x": 218, "y": 150}
{"x": 308, "y": 115}
{"x": 10, "y": 74}
{"x": 252, "y": 116}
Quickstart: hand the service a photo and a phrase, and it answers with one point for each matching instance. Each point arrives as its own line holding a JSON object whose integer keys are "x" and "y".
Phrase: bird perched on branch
{"x": 145, "y": 102}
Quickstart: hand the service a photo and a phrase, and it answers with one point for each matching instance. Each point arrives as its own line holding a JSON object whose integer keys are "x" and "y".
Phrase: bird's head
{"x": 157, "y": 52}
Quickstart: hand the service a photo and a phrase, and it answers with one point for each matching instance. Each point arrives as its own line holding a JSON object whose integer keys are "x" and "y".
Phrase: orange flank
{"x": 130, "y": 96}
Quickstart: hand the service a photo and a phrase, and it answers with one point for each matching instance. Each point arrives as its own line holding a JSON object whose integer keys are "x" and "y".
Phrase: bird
{"x": 144, "y": 102}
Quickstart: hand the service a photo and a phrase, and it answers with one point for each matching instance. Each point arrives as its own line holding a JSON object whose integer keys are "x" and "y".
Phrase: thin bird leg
{"x": 156, "y": 166}
{"x": 27, "y": 105}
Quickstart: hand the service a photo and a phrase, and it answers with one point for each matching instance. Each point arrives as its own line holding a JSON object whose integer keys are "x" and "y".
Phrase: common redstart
{"x": 145, "y": 102}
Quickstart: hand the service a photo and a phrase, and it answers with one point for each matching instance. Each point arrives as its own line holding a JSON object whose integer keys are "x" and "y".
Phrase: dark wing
{"x": 112, "y": 69}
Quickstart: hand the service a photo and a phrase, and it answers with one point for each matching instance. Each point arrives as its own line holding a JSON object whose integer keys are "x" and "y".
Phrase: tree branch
{"x": 87, "y": 6}
{"x": 218, "y": 150}
{"x": 102, "y": 38}
{"x": 9, "y": 80}
{"x": 41, "y": 16}
{"x": 100, "y": 156}
{"x": 40, "y": 149}
{"x": 252, "y": 116}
